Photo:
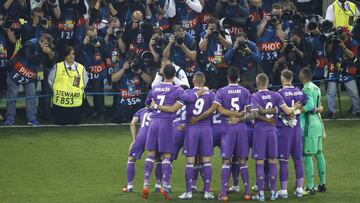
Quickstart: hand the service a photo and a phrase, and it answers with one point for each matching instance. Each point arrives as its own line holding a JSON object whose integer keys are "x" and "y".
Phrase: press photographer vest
{"x": 67, "y": 90}
{"x": 341, "y": 17}
{"x": 20, "y": 70}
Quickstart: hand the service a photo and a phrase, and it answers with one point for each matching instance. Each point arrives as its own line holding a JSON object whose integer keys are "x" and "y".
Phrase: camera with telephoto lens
{"x": 290, "y": 55}
{"x": 134, "y": 65}
{"x": 274, "y": 19}
{"x": 117, "y": 33}
{"x": 6, "y": 22}
{"x": 95, "y": 41}
{"x": 313, "y": 21}
{"x": 159, "y": 42}
{"x": 147, "y": 59}
{"x": 179, "y": 40}
{"x": 242, "y": 45}
{"x": 43, "y": 22}
{"x": 215, "y": 33}
{"x": 329, "y": 33}
{"x": 225, "y": 23}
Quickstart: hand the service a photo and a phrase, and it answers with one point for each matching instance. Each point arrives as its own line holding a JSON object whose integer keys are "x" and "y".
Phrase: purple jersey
{"x": 197, "y": 105}
{"x": 180, "y": 117}
{"x": 265, "y": 99}
{"x": 144, "y": 117}
{"x": 164, "y": 94}
{"x": 233, "y": 97}
{"x": 291, "y": 95}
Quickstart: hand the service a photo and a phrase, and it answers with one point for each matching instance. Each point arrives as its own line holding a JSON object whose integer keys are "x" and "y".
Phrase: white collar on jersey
{"x": 263, "y": 90}
{"x": 288, "y": 86}
{"x": 233, "y": 84}
{"x": 168, "y": 83}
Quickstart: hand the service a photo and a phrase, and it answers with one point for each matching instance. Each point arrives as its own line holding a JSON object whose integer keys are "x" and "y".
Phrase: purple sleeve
{"x": 183, "y": 97}
{"x": 137, "y": 114}
{"x": 148, "y": 98}
{"x": 254, "y": 103}
{"x": 218, "y": 98}
{"x": 279, "y": 101}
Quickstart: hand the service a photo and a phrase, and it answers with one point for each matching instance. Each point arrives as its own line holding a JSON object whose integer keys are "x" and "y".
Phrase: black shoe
{"x": 310, "y": 191}
{"x": 330, "y": 115}
{"x": 322, "y": 188}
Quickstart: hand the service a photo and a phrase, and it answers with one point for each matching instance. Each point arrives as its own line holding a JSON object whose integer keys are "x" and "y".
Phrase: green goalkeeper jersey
{"x": 311, "y": 123}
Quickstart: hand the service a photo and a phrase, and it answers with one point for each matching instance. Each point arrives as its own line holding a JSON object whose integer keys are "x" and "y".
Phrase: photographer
{"x": 130, "y": 81}
{"x": 318, "y": 62}
{"x": 270, "y": 33}
{"x": 70, "y": 27}
{"x": 342, "y": 13}
{"x": 101, "y": 12}
{"x": 137, "y": 33}
{"x": 237, "y": 11}
{"x": 155, "y": 10}
{"x": 256, "y": 14}
{"x": 181, "y": 50}
{"x": 22, "y": 70}
{"x": 112, "y": 36}
{"x": 5, "y": 35}
{"x": 213, "y": 44}
{"x": 342, "y": 50}
{"x": 187, "y": 12}
{"x": 51, "y": 8}
{"x": 180, "y": 79}
{"x": 36, "y": 25}
{"x": 246, "y": 57}
{"x": 157, "y": 45}
{"x": 297, "y": 51}
{"x": 95, "y": 57}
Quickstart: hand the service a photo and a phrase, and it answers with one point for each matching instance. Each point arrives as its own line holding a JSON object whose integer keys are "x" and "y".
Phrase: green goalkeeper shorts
{"x": 312, "y": 145}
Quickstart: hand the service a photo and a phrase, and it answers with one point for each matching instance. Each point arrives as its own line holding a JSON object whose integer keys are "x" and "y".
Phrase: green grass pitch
{"x": 87, "y": 164}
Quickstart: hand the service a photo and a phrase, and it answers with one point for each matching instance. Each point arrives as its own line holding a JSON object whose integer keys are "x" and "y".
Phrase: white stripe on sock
{"x": 243, "y": 167}
{"x": 149, "y": 160}
{"x": 225, "y": 166}
{"x": 207, "y": 164}
{"x": 189, "y": 165}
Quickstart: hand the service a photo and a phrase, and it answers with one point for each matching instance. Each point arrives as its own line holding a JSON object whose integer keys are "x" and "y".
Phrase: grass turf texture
{"x": 87, "y": 164}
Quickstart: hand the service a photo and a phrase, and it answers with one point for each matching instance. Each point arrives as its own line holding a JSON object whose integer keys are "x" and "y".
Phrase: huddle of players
{"x": 233, "y": 119}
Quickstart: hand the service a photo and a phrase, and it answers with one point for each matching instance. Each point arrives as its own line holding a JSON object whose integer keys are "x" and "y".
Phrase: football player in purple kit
{"x": 137, "y": 146}
{"x": 289, "y": 136}
{"x": 234, "y": 141}
{"x": 198, "y": 137}
{"x": 264, "y": 134}
{"x": 160, "y": 137}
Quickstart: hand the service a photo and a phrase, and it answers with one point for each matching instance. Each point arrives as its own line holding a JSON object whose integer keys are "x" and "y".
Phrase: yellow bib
{"x": 341, "y": 17}
{"x": 68, "y": 86}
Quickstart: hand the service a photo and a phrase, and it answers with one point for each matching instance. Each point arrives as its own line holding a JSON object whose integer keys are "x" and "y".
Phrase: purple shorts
{"x": 234, "y": 142}
{"x": 289, "y": 142}
{"x": 216, "y": 132}
{"x": 250, "y": 132}
{"x": 264, "y": 143}
{"x": 139, "y": 146}
{"x": 198, "y": 141}
{"x": 179, "y": 142}
{"x": 160, "y": 137}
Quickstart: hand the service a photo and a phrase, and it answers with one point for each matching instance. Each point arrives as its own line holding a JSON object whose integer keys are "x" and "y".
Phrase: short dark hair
{"x": 287, "y": 74}
{"x": 233, "y": 74}
{"x": 262, "y": 79}
{"x": 37, "y": 10}
{"x": 68, "y": 49}
{"x": 169, "y": 71}
{"x": 306, "y": 73}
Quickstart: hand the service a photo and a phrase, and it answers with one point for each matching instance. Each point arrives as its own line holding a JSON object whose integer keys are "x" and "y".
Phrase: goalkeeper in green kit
{"x": 312, "y": 132}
